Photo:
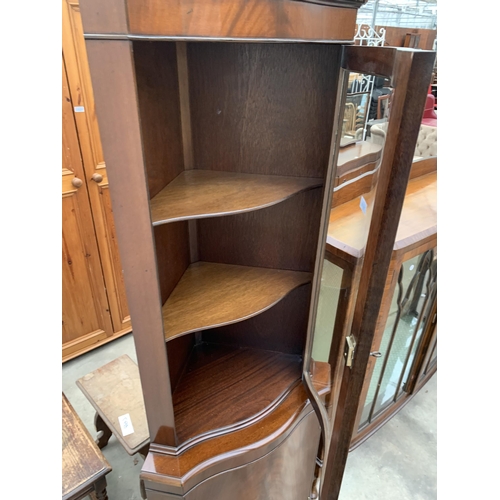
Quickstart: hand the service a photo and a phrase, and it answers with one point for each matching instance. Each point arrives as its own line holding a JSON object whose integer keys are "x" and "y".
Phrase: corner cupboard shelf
{"x": 208, "y": 193}
{"x": 211, "y": 295}
{"x": 225, "y": 387}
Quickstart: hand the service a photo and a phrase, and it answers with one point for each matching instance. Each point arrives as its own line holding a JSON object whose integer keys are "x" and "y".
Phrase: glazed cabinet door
{"x": 361, "y": 233}
{"x": 86, "y": 318}
{"x": 80, "y": 88}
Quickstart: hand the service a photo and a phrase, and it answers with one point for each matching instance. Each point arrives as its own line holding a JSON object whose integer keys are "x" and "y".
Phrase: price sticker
{"x": 126, "y": 425}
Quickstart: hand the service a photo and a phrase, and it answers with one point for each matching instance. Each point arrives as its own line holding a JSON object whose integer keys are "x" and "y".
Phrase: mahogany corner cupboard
{"x": 220, "y": 123}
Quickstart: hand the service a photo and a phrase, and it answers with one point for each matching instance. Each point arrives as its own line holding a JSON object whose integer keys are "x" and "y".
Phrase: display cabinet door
{"x": 408, "y": 73}
{"x": 402, "y": 338}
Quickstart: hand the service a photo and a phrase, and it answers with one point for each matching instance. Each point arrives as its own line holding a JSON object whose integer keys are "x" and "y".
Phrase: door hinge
{"x": 350, "y": 348}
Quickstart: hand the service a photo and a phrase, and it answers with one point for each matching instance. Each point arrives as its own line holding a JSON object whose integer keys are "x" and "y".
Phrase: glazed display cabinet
{"x": 220, "y": 123}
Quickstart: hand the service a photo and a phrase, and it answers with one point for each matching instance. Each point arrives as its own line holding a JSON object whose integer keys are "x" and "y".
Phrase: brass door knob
{"x": 76, "y": 182}
{"x": 97, "y": 178}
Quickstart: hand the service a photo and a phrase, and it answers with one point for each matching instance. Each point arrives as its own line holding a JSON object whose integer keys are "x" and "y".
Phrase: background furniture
{"x": 426, "y": 142}
{"x": 94, "y": 306}
{"x": 114, "y": 390}
{"x": 407, "y": 327}
{"x": 220, "y": 155}
{"x": 430, "y": 115}
{"x": 83, "y": 466}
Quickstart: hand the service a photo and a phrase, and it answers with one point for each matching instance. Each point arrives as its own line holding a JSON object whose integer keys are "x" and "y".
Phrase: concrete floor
{"x": 399, "y": 462}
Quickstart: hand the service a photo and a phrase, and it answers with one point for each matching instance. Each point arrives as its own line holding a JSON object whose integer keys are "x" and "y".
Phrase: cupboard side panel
{"x": 159, "y": 108}
{"x": 172, "y": 255}
{"x": 113, "y": 80}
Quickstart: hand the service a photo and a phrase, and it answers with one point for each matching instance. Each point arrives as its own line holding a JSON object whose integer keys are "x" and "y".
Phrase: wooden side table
{"x": 114, "y": 390}
{"x": 83, "y": 465}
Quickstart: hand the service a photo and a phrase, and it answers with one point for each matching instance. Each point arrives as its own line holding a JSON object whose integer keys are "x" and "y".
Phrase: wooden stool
{"x": 83, "y": 465}
{"x": 114, "y": 390}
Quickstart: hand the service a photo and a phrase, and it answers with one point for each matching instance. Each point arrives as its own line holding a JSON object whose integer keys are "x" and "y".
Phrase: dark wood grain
{"x": 241, "y": 18}
{"x": 83, "y": 464}
{"x": 281, "y": 328}
{"x": 210, "y": 295}
{"x": 226, "y": 385}
{"x": 208, "y": 193}
{"x": 380, "y": 61}
{"x": 179, "y": 474}
{"x": 262, "y": 108}
{"x": 159, "y": 108}
{"x": 172, "y": 255}
{"x": 178, "y": 353}
{"x": 276, "y": 475}
{"x": 282, "y": 237}
{"x": 112, "y": 71}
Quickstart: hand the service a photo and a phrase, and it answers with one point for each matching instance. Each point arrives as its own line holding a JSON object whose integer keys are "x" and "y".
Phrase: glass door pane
{"x": 402, "y": 334}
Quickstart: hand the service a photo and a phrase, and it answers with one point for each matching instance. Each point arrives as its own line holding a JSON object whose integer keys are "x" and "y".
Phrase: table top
{"x": 348, "y": 225}
{"x": 115, "y": 391}
{"x": 82, "y": 461}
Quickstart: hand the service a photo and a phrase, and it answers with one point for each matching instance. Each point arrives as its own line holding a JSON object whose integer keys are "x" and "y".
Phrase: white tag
{"x": 412, "y": 267}
{"x": 79, "y": 109}
{"x": 363, "y": 205}
{"x": 126, "y": 425}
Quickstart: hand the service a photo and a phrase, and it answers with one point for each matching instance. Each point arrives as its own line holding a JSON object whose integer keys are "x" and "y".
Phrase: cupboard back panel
{"x": 262, "y": 108}
{"x": 172, "y": 255}
{"x": 281, "y": 328}
{"x": 283, "y": 236}
{"x": 159, "y": 110}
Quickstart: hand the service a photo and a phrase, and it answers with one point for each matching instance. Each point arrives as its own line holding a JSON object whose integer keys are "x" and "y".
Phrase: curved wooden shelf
{"x": 225, "y": 387}
{"x": 196, "y": 194}
{"x": 193, "y": 461}
{"x": 210, "y": 295}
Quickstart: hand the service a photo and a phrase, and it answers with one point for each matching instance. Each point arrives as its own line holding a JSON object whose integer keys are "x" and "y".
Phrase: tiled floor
{"x": 398, "y": 462}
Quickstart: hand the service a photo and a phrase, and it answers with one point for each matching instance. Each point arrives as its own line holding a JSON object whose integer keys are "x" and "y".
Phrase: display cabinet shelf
{"x": 196, "y": 194}
{"x": 226, "y": 386}
{"x": 210, "y": 295}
